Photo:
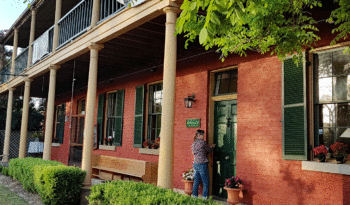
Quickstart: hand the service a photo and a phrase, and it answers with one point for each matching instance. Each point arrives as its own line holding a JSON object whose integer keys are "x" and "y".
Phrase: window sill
{"x": 326, "y": 167}
{"x": 149, "y": 151}
{"x": 55, "y": 144}
{"x": 107, "y": 147}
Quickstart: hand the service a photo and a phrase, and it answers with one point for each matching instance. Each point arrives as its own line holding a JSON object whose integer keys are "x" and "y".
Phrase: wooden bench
{"x": 113, "y": 168}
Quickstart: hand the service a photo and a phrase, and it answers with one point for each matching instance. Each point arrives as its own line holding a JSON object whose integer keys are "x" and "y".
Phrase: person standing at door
{"x": 200, "y": 150}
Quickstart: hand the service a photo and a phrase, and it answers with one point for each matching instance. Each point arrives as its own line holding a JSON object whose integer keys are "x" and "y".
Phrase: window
{"x": 78, "y": 122}
{"x": 332, "y": 97}
{"x": 60, "y": 120}
{"x": 326, "y": 114}
{"x": 81, "y": 107}
{"x": 152, "y": 117}
{"x": 114, "y": 118}
{"x": 226, "y": 82}
{"x": 154, "y": 111}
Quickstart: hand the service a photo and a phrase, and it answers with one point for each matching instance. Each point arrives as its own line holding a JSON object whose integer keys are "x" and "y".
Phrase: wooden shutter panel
{"x": 119, "y": 118}
{"x": 100, "y": 113}
{"x": 138, "y": 119}
{"x": 294, "y": 127}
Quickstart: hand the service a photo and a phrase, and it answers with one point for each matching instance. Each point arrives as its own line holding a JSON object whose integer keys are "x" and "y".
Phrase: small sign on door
{"x": 193, "y": 123}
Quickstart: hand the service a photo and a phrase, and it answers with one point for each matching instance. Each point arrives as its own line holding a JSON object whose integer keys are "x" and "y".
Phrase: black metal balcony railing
{"x": 5, "y": 73}
{"x": 21, "y": 62}
{"x": 75, "y": 22}
{"x": 110, "y": 7}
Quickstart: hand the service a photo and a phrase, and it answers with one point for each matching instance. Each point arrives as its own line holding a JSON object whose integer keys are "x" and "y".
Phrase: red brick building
{"x": 265, "y": 115}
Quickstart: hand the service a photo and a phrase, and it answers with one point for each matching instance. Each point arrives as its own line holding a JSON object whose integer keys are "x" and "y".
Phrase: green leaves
{"x": 203, "y": 35}
{"x": 235, "y": 26}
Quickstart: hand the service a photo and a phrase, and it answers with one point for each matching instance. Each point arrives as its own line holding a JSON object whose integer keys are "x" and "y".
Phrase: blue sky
{"x": 10, "y": 10}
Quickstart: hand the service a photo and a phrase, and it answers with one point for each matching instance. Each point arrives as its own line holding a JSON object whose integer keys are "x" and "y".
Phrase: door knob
{"x": 227, "y": 157}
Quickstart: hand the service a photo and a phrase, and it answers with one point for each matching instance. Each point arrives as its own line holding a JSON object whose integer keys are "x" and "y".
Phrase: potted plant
{"x": 146, "y": 144}
{"x": 110, "y": 140}
{"x": 188, "y": 176}
{"x": 339, "y": 151}
{"x": 234, "y": 189}
{"x": 38, "y": 136}
{"x": 321, "y": 152}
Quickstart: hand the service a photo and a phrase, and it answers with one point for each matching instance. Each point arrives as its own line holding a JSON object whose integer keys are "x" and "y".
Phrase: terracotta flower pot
{"x": 188, "y": 186}
{"x": 232, "y": 195}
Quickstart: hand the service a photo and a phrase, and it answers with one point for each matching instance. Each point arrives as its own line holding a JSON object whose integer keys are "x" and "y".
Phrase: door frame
{"x": 211, "y": 117}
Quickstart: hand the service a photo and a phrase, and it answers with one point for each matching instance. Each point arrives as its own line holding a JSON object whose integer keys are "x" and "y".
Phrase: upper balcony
{"x": 76, "y": 20}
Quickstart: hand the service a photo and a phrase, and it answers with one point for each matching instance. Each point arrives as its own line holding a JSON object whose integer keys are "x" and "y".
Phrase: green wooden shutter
{"x": 138, "y": 121}
{"x": 100, "y": 113}
{"x": 294, "y": 127}
{"x": 119, "y": 118}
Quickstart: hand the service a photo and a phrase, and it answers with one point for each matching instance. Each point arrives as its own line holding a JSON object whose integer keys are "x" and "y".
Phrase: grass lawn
{"x": 10, "y": 198}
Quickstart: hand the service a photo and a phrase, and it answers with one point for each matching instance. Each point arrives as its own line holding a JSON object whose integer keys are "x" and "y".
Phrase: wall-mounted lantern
{"x": 189, "y": 101}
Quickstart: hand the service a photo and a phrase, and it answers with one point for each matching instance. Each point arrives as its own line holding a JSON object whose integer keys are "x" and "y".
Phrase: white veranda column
{"x": 14, "y": 52}
{"x": 50, "y": 113}
{"x": 24, "y": 125}
{"x": 56, "y": 28}
{"x": 31, "y": 38}
{"x": 166, "y": 152}
{"x": 95, "y": 12}
{"x": 6, "y": 151}
{"x": 90, "y": 113}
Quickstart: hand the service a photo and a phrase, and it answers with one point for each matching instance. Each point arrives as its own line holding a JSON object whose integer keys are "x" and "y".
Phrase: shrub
{"x": 132, "y": 193}
{"x": 58, "y": 184}
{"x": 23, "y": 170}
{"x": 4, "y": 170}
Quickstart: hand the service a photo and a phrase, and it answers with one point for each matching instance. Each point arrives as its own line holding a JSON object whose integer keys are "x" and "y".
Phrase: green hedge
{"x": 52, "y": 180}
{"x": 58, "y": 184}
{"x": 23, "y": 170}
{"x": 4, "y": 170}
{"x": 132, "y": 193}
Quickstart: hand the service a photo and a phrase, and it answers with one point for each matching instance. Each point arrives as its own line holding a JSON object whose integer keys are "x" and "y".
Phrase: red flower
{"x": 321, "y": 149}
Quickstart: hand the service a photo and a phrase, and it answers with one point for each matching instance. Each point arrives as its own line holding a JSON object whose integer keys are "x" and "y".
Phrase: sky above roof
{"x": 10, "y": 10}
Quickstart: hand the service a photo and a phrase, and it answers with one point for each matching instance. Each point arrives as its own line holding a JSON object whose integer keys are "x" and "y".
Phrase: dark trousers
{"x": 201, "y": 172}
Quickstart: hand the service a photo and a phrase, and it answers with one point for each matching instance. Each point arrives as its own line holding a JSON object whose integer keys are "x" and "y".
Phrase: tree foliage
{"x": 277, "y": 26}
{"x": 35, "y": 121}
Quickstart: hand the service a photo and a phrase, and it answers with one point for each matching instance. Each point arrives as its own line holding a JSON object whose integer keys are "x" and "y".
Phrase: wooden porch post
{"x": 95, "y": 12}
{"x": 31, "y": 38}
{"x": 56, "y": 28}
{"x": 24, "y": 125}
{"x": 6, "y": 151}
{"x": 166, "y": 152}
{"x": 14, "y": 52}
{"x": 90, "y": 113}
{"x": 50, "y": 113}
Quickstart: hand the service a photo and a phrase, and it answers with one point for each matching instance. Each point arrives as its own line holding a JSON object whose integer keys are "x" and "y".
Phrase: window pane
{"x": 325, "y": 89}
{"x": 328, "y": 137}
{"x": 111, "y": 105}
{"x": 159, "y": 117}
{"x": 224, "y": 86}
{"x": 341, "y": 88}
{"x": 324, "y": 62}
{"x": 341, "y": 63}
{"x": 327, "y": 116}
{"x": 343, "y": 115}
{"x": 233, "y": 85}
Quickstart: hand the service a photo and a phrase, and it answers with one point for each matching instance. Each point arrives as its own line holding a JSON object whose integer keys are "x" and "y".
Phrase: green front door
{"x": 225, "y": 138}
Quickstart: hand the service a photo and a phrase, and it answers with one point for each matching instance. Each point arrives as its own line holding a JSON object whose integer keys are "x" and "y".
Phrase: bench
{"x": 114, "y": 168}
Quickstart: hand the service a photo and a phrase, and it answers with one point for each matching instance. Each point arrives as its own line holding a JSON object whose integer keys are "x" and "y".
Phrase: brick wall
{"x": 268, "y": 178}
